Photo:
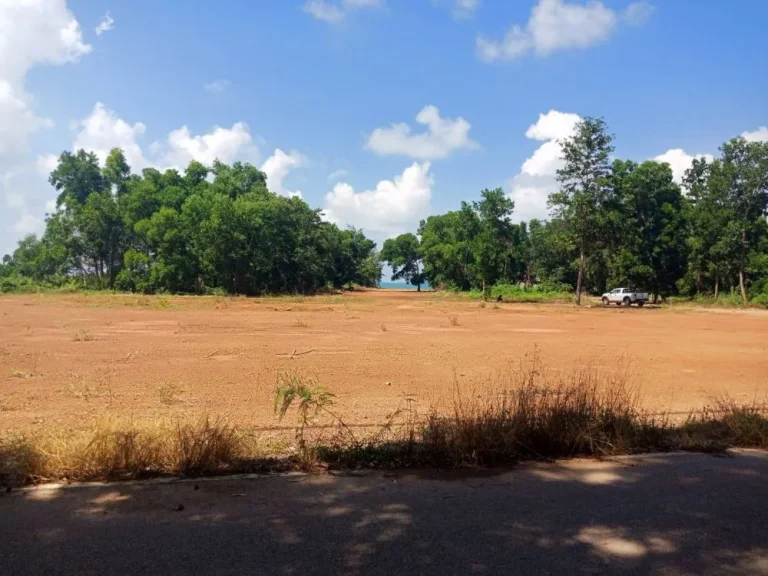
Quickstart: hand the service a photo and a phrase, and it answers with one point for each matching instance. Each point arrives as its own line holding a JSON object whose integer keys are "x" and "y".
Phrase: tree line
{"x": 612, "y": 223}
{"x": 206, "y": 229}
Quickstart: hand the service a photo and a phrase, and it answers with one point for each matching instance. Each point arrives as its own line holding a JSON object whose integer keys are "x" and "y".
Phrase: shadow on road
{"x": 671, "y": 514}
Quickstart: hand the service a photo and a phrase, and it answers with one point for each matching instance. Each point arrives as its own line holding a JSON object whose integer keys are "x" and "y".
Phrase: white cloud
{"x": 103, "y": 130}
{"x": 336, "y": 174}
{"x": 224, "y": 144}
{"x": 759, "y": 135}
{"x": 105, "y": 25}
{"x": 465, "y": 8}
{"x": 531, "y": 188}
{"x": 443, "y": 136}
{"x": 46, "y": 164}
{"x": 393, "y": 207}
{"x": 324, "y": 11}
{"x": 28, "y": 224}
{"x": 32, "y": 33}
{"x": 680, "y": 161}
{"x": 334, "y": 13}
{"x": 559, "y": 25}
{"x": 277, "y": 167}
{"x": 217, "y": 86}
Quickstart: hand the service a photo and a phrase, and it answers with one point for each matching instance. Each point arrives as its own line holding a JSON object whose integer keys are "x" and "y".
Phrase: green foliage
{"x": 220, "y": 230}
{"x": 403, "y": 256}
{"x": 167, "y": 232}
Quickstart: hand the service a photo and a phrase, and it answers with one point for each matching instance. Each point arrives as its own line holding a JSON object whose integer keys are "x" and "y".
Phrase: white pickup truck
{"x": 625, "y": 296}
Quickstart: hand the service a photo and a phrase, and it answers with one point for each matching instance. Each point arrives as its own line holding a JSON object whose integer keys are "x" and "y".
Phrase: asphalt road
{"x": 660, "y": 514}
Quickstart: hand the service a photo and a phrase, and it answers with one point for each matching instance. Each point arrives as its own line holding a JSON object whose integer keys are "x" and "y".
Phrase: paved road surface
{"x": 660, "y": 514}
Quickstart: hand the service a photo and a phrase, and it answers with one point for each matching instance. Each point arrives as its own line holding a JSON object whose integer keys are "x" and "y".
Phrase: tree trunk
{"x": 418, "y": 287}
{"x": 580, "y": 280}
{"x": 484, "y": 295}
{"x": 742, "y": 286}
{"x": 717, "y": 284}
{"x": 698, "y": 282}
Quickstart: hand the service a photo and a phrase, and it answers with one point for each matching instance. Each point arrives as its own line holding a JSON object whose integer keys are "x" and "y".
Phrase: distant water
{"x": 401, "y": 286}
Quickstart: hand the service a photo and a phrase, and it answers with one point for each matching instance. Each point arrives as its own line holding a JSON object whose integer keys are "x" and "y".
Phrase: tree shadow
{"x": 673, "y": 513}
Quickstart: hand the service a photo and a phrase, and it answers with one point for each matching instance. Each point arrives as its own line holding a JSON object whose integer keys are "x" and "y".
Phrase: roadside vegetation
{"x": 531, "y": 414}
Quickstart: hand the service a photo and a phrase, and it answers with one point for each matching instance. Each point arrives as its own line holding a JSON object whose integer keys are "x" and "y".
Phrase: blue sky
{"x": 310, "y": 91}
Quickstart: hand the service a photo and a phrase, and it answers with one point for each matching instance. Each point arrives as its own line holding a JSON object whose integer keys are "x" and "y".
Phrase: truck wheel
{"x": 640, "y": 304}
{"x": 606, "y": 302}
{"x": 627, "y": 301}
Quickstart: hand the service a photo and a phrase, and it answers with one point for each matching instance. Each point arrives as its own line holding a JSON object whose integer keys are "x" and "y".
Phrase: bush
{"x": 760, "y": 300}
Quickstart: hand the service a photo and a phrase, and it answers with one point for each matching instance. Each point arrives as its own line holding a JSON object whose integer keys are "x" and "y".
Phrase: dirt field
{"x": 70, "y": 359}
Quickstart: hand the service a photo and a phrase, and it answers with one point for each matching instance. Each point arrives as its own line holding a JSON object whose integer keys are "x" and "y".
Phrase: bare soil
{"x": 71, "y": 359}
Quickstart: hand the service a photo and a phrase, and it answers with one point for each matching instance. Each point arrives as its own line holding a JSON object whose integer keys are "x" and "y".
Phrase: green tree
{"x": 740, "y": 179}
{"x": 403, "y": 256}
{"x": 649, "y": 249}
{"x": 583, "y": 195}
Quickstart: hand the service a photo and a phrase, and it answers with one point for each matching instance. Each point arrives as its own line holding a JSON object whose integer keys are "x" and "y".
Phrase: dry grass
{"x": 122, "y": 449}
{"x": 453, "y": 320}
{"x": 300, "y": 323}
{"x": 82, "y": 335}
{"x": 169, "y": 393}
{"x": 532, "y": 414}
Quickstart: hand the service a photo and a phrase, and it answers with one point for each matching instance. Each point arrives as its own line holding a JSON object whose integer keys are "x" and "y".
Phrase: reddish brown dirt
{"x": 154, "y": 356}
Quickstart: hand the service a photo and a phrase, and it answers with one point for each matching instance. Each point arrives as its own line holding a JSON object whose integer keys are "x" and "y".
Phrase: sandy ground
{"x": 71, "y": 359}
{"x": 666, "y": 514}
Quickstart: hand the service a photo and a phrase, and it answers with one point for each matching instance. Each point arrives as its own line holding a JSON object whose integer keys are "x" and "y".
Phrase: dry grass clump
{"x": 120, "y": 449}
{"x": 541, "y": 416}
{"x": 725, "y": 423}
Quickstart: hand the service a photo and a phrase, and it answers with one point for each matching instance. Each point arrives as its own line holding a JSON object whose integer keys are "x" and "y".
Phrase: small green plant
{"x": 300, "y": 323}
{"x": 310, "y": 399}
{"x": 83, "y": 335}
{"x": 169, "y": 393}
{"x": 453, "y": 320}
{"x": 163, "y": 302}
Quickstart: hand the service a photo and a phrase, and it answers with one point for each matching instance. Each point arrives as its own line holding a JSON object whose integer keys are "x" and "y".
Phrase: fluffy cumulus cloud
{"x": 106, "y": 24}
{"x": 679, "y": 160}
{"x": 759, "y": 135}
{"x": 103, "y": 130}
{"x": 537, "y": 177}
{"x": 442, "y": 137}
{"x": 559, "y": 25}
{"x": 277, "y": 167}
{"x": 333, "y": 13}
{"x": 392, "y": 207}
{"x": 32, "y": 33}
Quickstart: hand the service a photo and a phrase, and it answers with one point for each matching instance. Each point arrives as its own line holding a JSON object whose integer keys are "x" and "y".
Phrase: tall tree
{"x": 493, "y": 243}
{"x": 404, "y": 257}
{"x": 584, "y": 183}
{"x": 740, "y": 178}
